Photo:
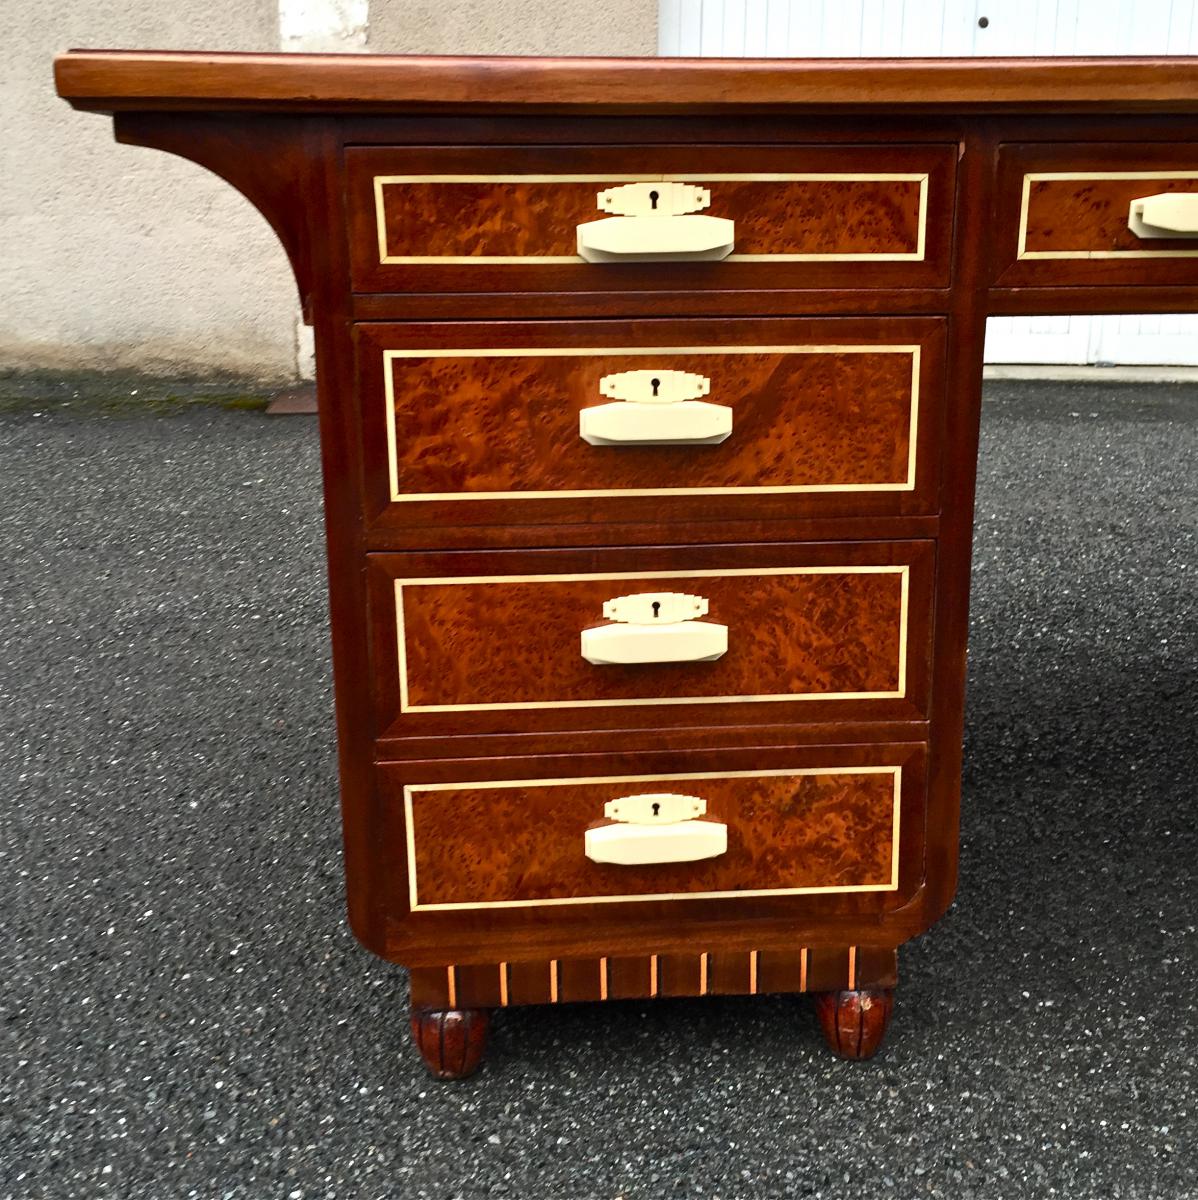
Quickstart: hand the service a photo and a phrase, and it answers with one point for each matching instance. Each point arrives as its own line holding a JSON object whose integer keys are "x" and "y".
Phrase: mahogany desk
{"x": 649, "y": 402}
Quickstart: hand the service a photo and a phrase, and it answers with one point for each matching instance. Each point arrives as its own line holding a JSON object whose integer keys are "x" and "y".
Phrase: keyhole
{"x": 655, "y": 384}
{"x": 656, "y": 609}
{"x": 653, "y": 199}
{"x": 656, "y": 809}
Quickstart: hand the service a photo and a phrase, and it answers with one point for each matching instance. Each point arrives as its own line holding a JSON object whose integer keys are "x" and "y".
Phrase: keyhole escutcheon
{"x": 656, "y": 609}
{"x": 653, "y": 197}
{"x": 655, "y": 384}
{"x": 656, "y": 809}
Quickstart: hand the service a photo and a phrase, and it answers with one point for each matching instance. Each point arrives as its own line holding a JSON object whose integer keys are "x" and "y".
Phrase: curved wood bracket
{"x": 275, "y": 163}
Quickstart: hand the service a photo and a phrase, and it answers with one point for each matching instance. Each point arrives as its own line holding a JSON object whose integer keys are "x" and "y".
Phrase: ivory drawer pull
{"x": 655, "y": 408}
{"x": 655, "y": 222}
{"x": 654, "y": 627}
{"x": 658, "y": 827}
{"x": 1167, "y": 215}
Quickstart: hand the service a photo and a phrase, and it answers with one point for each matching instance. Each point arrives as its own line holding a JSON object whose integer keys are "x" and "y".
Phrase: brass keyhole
{"x": 653, "y": 199}
{"x": 656, "y": 809}
{"x": 656, "y": 608}
{"x": 655, "y": 384}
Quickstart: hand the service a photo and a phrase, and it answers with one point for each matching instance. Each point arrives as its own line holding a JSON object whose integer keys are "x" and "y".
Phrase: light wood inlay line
{"x": 553, "y": 981}
{"x": 1024, "y": 253}
{"x": 406, "y": 705}
{"x": 803, "y": 969}
{"x": 653, "y": 975}
{"x": 603, "y": 979}
{"x": 451, "y": 976}
{"x": 415, "y": 905}
{"x": 398, "y": 496}
{"x": 503, "y": 984}
{"x": 752, "y": 972}
{"x": 852, "y": 968}
{"x": 703, "y": 974}
{"x": 387, "y": 259}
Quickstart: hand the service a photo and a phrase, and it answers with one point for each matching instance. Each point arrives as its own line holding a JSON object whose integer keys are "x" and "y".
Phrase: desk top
{"x": 111, "y": 80}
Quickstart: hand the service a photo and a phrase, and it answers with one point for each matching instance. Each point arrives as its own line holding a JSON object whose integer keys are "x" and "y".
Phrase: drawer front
{"x": 787, "y": 833}
{"x": 507, "y": 219}
{"x": 1074, "y": 216}
{"x": 803, "y": 832}
{"x": 497, "y": 642}
{"x": 478, "y": 426}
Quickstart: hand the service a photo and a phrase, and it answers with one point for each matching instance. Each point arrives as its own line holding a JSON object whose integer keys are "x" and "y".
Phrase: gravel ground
{"x": 187, "y": 1015}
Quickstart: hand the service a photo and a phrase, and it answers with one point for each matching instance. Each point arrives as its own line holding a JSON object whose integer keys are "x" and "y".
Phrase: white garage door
{"x": 890, "y": 28}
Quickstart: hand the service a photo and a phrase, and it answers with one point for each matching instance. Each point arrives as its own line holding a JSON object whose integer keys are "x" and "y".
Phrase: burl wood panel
{"x": 541, "y": 218}
{"x": 1091, "y": 214}
{"x": 517, "y": 643}
{"x": 1085, "y": 219}
{"x": 445, "y": 218}
{"x": 704, "y": 973}
{"x": 510, "y": 424}
{"x": 788, "y": 832}
{"x": 487, "y": 429}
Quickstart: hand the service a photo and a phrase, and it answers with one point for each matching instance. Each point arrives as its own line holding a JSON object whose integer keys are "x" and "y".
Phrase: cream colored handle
{"x": 682, "y": 641}
{"x": 1167, "y": 215}
{"x": 656, "y": 407}
{"x": 683, "y": 423}
{"x": 655, "y": 221}
{"x": 629, "y": 845}
{"x": 654, "y": 627}
{"x": 656, "y": 239}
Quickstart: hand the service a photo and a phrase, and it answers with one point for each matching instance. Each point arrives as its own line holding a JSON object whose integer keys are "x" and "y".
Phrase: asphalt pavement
{"x": 186, "y": 1015}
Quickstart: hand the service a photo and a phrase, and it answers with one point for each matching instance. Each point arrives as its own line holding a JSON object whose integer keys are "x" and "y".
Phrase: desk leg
{"x": 451, "y": 1041}
{"x": 855, "y": 1022}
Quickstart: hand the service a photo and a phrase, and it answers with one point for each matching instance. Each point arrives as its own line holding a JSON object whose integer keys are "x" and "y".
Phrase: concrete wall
{"x": 118, "y": 257}
{"x": 514, "y": 27}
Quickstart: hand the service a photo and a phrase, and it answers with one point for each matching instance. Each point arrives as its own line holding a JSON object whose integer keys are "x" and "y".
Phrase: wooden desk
{"x": 649, "y": 544}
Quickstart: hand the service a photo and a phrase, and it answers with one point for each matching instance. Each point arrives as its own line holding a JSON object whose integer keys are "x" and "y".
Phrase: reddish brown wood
{"x": 1089, "y": 216}
{"x": 685, "y": 973}
{"x": 432, "y": 937}
{"x": 532, "y": 219}
{"x": 451, "y": 1041}
{"x": 499, "y": 643}
{"x": 111, "y": 79}
{"x": 821, "y": 218}
{"x": 504, "y": 643}
{"x": 802, "y": 831}
{"x": 469, "y": 424}
{"x": 855, "y": 1022}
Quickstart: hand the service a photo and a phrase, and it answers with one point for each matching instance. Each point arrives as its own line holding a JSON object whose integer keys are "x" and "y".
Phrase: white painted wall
{"x": 901, "y": 28}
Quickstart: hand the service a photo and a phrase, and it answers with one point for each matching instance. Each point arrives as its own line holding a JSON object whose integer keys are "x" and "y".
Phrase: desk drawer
{"x": 509, "y": 641}
{"x": 1072, "y": 215}
{"x": 504, "y": 219}
{"x": 812, "y": 834}
{"x": 786, "y": 832}
{"x": 469, "y": 424}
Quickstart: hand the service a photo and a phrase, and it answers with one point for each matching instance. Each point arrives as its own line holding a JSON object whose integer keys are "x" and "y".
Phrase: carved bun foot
{"x": 854, "y": 1023}
{"x": 451, "y": 1041}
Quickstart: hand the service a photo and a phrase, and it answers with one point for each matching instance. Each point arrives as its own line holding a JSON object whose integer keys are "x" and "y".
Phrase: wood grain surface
{"x": 1090, "y": 215}
{"x": 788, "y": 833}
{"x": 492, "y": 642}
{"x": 506, "y": 642}
{"x": 110, "y": 79}
{"x": 522, "y": 203}
{"x": 648, "y": 976}
{"x": 535, "y": 218}
{"x": 841, "y": 417}
{"x": 486, "y": 415}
